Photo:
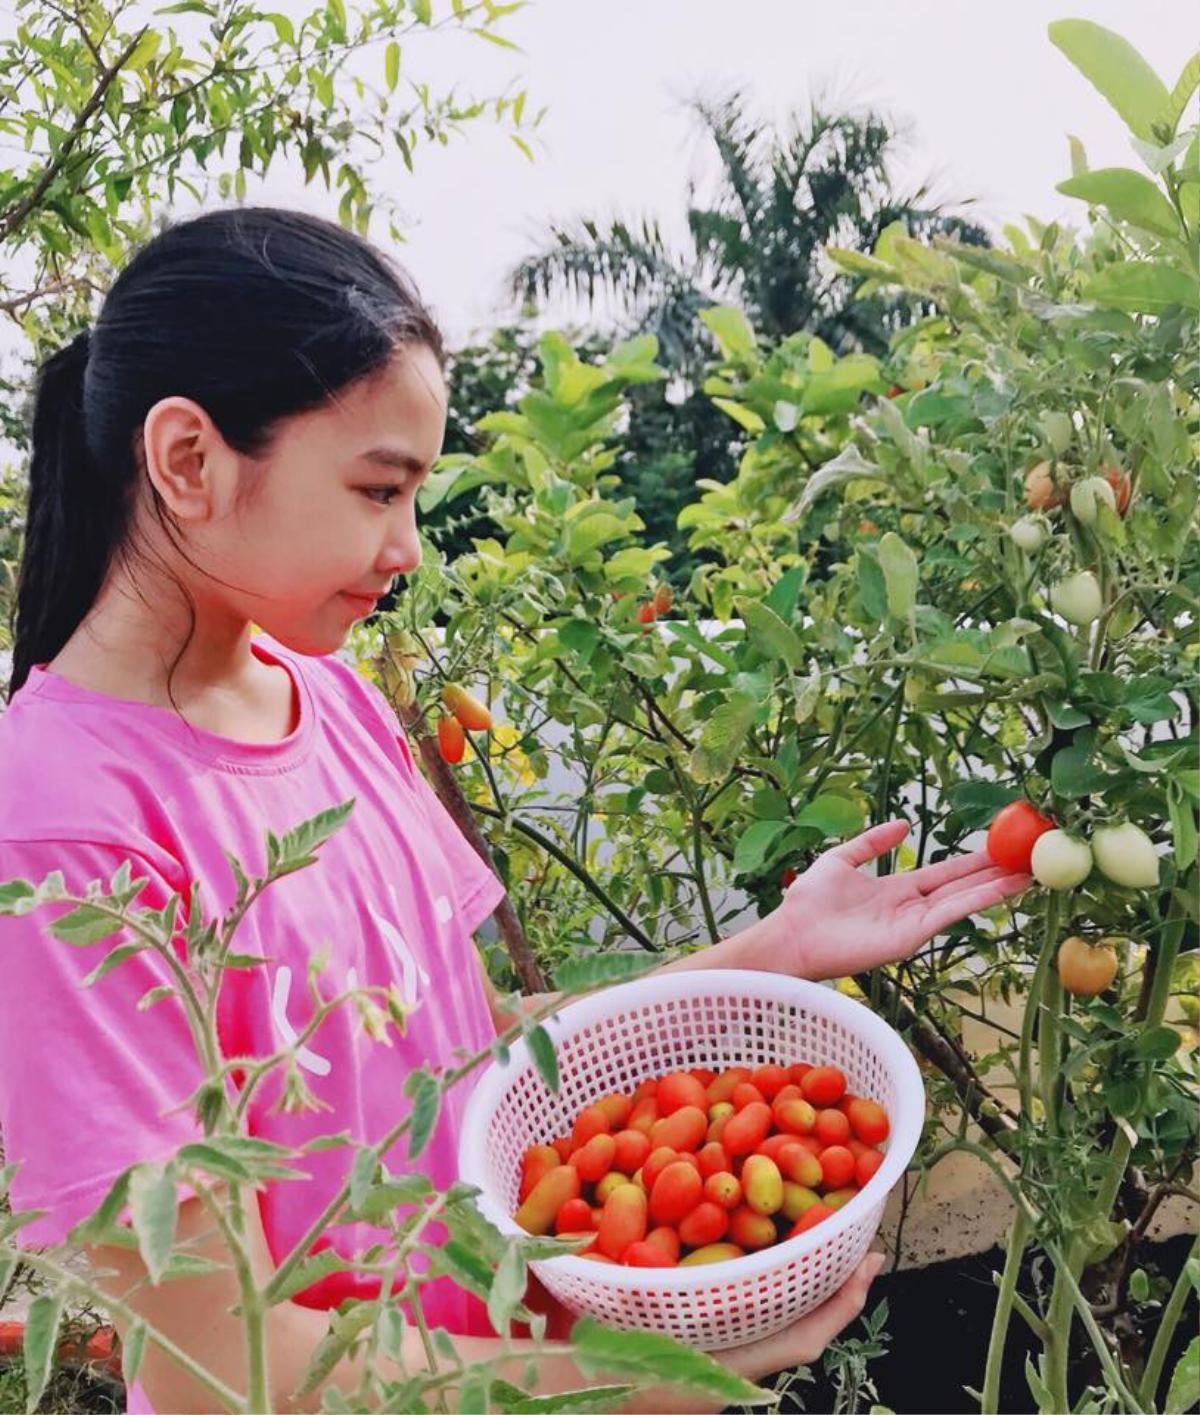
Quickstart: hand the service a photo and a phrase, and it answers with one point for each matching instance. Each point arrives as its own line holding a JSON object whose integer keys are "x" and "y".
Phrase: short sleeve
{"x": 88, "y": 1084}
{"x": 477, "y": 888}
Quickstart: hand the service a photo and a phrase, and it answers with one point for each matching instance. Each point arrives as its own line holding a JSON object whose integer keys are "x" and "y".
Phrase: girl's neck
{"x": 125, "y": 650}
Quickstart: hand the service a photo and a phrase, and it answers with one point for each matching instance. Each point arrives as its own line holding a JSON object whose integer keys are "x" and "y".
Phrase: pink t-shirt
{"x": 89, "y": 1085}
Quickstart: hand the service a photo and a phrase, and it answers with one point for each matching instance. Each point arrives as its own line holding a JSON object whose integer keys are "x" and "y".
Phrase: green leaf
{"x": 832, "y": 815}
{"x": 580, "y": 637}
{"x": 601, "y": 970}
{"x": 768, "y": 633}
{"x": 1157, "y": 1043}
{"x": 721, "y": 738}
{"x": 508, "y": 1288}
{"x": 1073, "y": 773}
{"x": 599, "y": 1399}
{"x": 13, "y": 892}
{"x": 311, "y": 1270}
{"x": 733, "y": 332}
{"x": 976, "y": 802}
{"x": 1127, "y": 196}
{"x": 391, "y": 65}
{"x": 899, "y": 566}
{"x": 786, "y": 590}
{"x": 1143, "y": 287}
{"x": 1117, "y": 71}
{"x": 363, "y": 1173}
{"x": 650, "y": 1359}
{"x": 743, "y": 416}
{"x": 95, "y": 1226}
{"x": 213, "y": 1161}
{"x": 588, "y": 533}
{"x": 113, "y": 960}
{"x": 40, "y": 1345}
{"x": 426, "y": 1103}
{"x": 839, "y": 390}
{"x": 147, "y": 47}
{"x": 155, "y": 1210}
{"x": 1184, "y": 1390}
{"x": 86, "y": 925}
{"x": 132, "y": 1349}
{"x": 285, "y": 31}
{"x": 542, "y": 1049}
{"x": 754, "y": 843}
{"x": 1181, "y": 95}
{"x": 846, "y": 466}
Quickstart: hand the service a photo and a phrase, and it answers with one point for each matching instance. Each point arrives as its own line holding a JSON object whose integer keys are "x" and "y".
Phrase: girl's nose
{"x": 403, "y": 555}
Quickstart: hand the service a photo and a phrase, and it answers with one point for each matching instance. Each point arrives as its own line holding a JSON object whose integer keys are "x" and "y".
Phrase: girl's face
{"x": 332, "y": 511}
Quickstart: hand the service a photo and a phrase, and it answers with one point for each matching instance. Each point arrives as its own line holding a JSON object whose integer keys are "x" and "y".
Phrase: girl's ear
{"x": 188, "y": 462}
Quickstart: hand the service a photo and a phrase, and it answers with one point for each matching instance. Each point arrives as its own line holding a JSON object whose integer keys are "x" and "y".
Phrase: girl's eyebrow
{"x": 395, "y": 457}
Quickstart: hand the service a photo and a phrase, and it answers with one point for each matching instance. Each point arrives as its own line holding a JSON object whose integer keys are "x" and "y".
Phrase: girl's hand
{"x": 805, "y": 1340}
{"x": 834, "y": 920}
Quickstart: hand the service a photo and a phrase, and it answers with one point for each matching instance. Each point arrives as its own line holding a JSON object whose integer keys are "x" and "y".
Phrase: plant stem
{"x": 551, "y": 847}
{"x": 1166, "y": 1330}
{"x": 1017, "y": 1237}
{"x": 1082, "y": 1306}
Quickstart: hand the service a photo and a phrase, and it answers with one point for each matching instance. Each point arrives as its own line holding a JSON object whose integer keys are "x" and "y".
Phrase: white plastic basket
{"x": 711, "y": 1018}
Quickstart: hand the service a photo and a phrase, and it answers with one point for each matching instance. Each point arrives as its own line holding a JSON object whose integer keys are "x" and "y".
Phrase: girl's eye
{"x": 387, "y": 492}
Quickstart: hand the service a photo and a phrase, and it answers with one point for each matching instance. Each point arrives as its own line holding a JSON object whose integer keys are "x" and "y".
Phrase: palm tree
{"x": 780, "y": 201}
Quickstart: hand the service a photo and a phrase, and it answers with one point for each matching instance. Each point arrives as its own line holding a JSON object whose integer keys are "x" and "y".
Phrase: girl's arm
{"x": 194, "y": 1313}
{"x": 835, "y": 920}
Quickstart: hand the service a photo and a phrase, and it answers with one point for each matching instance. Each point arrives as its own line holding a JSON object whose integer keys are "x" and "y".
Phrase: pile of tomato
{"x": 699, "y": 1166}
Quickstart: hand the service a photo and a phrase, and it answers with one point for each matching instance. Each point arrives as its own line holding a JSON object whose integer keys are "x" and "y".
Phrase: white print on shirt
{"x": 410, "y": 969}
{"x": 279, "y": 1001}
{"x": 410, "y": 972}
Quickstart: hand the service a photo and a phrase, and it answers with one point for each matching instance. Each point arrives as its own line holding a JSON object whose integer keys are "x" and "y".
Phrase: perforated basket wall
{"x": 618, "y": 1037}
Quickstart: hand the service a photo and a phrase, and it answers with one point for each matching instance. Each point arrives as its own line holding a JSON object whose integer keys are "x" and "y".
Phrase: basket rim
{"x": 906, "y": 1123}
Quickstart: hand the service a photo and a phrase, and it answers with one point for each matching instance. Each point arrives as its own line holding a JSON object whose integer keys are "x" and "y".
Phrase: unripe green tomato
{"x": 1060, "y": 861}
{"x": 1077, "y": 598}
{"x": 1086, "y": 496}
{"x": 1125, "y": 855}
{"x": 1028, "y": 534}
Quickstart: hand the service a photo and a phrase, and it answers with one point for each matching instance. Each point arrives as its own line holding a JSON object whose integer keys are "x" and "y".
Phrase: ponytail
{"x": 255, "y": 313}
{"x": 72, "y": 523}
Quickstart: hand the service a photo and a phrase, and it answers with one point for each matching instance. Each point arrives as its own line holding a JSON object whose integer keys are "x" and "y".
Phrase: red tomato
{"x": 1011, "y": 835}
{"x": 823, "y": 1085}
{"x": 832, "y": 1127}
{"x": 866, "y": 1164}
{"x": 837, "y": 1167}
{"x": 679, "y": 1089}
{"x": 452, "y": 740}
{"x": 868, "y": 1120}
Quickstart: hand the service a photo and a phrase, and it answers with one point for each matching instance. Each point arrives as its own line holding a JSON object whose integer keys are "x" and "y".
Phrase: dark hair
{"x": 256, "y": 313}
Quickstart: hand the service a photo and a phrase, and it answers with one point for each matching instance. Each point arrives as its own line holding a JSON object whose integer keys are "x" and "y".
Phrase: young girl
{"x": 240, "y": 440}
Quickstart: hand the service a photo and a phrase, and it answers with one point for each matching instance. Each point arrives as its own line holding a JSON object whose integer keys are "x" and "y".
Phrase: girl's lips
{"x": 363, "y": 602}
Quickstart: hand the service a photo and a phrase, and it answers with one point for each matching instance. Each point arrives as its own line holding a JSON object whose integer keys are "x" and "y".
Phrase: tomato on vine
{"x": 1012, "y": 834}
{"x": 1085, "y": 969}
{"x": 452, "y": 740}
{"x": 1060, "y": 861}
{"x": 470, "y": 712}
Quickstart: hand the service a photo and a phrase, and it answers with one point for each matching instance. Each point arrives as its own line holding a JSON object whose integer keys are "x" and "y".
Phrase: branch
{"x": 15, "y": 217}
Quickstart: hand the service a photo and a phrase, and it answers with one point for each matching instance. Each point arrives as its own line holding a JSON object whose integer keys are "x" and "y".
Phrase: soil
{"x": 939, "y": 1322}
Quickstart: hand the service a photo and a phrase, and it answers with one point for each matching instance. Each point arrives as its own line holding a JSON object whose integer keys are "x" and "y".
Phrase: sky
{"x": 985, "y": 99}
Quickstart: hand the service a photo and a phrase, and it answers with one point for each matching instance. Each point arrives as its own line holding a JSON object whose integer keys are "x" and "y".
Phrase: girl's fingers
{"x": 941, "y": 913}
{"x": 832, "y": 1316}
{"x": 932, "y": 877}
{"x": 871, "y": 843}
{"x": 989, "y": 875}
